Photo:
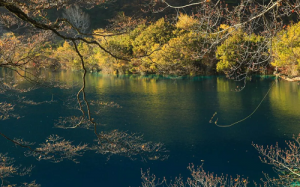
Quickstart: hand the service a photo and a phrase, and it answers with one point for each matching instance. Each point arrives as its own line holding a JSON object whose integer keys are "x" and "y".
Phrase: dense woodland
{"x": 237, "y": 39}
{"x": 167, "y": 42}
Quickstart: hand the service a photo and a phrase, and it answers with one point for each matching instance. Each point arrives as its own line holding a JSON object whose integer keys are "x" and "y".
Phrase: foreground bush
{"x": 286, "y": 162}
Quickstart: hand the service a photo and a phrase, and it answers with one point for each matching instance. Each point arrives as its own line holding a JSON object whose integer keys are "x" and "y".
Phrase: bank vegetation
{"x": 162, "y": 47}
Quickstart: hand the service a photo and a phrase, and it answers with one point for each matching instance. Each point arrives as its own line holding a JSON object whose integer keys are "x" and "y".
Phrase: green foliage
{"x": 153, "y": 37}
{"x": 68, "y": 58}
{"x": 167, "y": 48}
{"x": 160, "y": 47}
{"x": 179, "y": 54}
{"x": 88, "y": 56}
{"x": 286, "y": 50}
{"x": 236, "y": 49}
{"x": 119, "y": 45}
{"x": 187, "y": 22}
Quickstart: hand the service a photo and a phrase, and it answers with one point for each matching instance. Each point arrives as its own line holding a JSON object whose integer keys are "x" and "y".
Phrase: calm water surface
{"x": 174, "y": 111}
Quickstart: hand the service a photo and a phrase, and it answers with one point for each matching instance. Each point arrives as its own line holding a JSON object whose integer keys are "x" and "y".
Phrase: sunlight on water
{"x": 284, "y": 98}
{"x": 170, "y": 110}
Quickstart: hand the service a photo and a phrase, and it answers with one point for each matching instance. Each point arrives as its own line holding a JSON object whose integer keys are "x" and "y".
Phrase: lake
{"x": 172, "y": 110}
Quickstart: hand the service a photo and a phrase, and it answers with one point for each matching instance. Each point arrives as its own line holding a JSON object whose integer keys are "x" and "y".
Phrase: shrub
{"x": 286, "y": 50}
{"x": 156, "y": 34}
{"x": 240, "y": 50}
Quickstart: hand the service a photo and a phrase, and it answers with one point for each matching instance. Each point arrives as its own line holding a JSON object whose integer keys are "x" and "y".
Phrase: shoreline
{"x": 295, "y": 79}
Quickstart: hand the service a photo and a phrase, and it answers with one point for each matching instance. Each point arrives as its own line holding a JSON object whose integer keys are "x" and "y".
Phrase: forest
{"x": 150, "y": 38}
{"x": 180, "y": 44}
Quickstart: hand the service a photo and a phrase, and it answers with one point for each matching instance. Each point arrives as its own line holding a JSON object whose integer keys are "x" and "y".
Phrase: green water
{"x": 171, "y": 110}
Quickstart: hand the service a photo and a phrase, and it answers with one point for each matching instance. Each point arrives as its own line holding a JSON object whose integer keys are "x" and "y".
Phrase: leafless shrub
{"x": 21, "y": 141}
{"x": 77, "y": 18}
{"x": 105, "y": 104}
{"x": 71, "y": 102}
{"x": 150, "y": 180}
{"x": 8, "y": 169}
{"x": 57, "y": 149}
{"x": 11, "y": 85}
{"x": 72, "y": 122}
{"x": 206, "y": 179}
{"x": 128, "y": 145}
{"x": 62, "y": 86}
{"x": 6, "y": 110}
{"x": 286, "y": 162}
{"x": 200, "y": 178}
{"x": 32, "y": 184}
{"x": 24, "y": 100}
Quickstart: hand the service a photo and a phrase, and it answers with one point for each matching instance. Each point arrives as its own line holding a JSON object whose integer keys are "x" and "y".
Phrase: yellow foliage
{"x": 18, "y": 49}
{"x": 67, "y": 56}
{"x": 227, "y": 28}
{"x": 286, "y": 49}
{"x": 234, "y": 48}
{"x": 155, "y": 34}
{"x": 180, "y": 50}
{"x": 186, "y": 22}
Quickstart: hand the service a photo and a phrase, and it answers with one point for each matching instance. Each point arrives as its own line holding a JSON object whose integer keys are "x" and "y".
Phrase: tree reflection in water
{"x": 55, "y": 148}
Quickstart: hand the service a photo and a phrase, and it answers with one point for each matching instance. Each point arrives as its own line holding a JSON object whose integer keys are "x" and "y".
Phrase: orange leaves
{"x": 279, "y": 3}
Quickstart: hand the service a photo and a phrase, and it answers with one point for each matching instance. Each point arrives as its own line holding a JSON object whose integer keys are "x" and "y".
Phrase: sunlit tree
{"x": 286, "y": 50}
{"x": 244, "y": 46}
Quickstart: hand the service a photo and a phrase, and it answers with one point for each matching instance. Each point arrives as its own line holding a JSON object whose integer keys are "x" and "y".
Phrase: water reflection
{"x": 57, "y": 149}
{"x": 174, "y": 111}
{"x": 229, "y": 101}
{"x": 285, "y": 107}
{"x": 284, "y": 98}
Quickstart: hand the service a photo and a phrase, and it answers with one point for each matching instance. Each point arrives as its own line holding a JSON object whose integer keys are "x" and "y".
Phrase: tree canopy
{"x": 237, "y": 39}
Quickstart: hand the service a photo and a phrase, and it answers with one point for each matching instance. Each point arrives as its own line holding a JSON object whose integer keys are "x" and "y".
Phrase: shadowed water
{"x": 171, "y": 110}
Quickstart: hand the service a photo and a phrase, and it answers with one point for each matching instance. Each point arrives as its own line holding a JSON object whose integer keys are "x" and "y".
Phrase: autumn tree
{"x": 34, "y": 14}
{"x": 17, "y": 52}
{"x": 286, "y": 50}
{"x": 203, "y": 34}
{"x": 231, "y": 54}
{"x": 263, "y": 19}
